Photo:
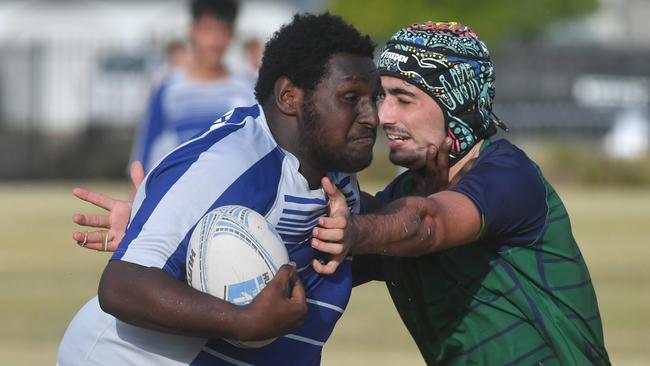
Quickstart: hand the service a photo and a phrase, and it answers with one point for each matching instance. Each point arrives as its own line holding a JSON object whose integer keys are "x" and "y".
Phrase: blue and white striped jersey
{"x": 180, "y": 108}
{"x": 236, "y": 162}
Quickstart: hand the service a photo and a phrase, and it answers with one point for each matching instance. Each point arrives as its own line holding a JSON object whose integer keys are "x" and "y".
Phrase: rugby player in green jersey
{"x": 486, "y": 271}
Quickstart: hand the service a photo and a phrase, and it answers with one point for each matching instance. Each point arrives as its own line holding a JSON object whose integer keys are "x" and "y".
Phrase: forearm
{"x": 406, "y": 227}
{"x": 150, "y": 298}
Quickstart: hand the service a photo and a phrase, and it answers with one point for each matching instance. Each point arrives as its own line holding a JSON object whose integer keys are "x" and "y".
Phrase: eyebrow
{"x": 399, "y": 91}
{"x": 354, "y": 78}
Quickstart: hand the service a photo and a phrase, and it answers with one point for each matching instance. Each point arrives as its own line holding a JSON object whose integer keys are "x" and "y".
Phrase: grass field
{"x": 45, "y": 278}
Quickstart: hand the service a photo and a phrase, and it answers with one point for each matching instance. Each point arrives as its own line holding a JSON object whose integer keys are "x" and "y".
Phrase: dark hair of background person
{"x": 221, "y": 9}
{"x": 301, "y": 49}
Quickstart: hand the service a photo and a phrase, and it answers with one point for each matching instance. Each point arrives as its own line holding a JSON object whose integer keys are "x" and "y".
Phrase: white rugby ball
{"x": 232, "y": 254}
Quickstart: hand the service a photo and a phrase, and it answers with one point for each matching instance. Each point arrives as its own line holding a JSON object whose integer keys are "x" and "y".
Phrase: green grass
{"x": 45, "y": 277}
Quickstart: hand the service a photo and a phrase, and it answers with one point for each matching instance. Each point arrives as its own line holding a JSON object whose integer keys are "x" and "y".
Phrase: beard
{"x": 318, "y": 146}
{"x": 411, "y": 160}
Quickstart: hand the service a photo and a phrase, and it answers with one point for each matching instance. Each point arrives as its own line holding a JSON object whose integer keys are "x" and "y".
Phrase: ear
{"x": 288, "y": 97}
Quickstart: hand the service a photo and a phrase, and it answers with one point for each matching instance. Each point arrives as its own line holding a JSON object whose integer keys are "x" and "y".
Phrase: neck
{"x": 286, "y": 134}
{"x": 462, "y": 163}
{"x": 199, "y": 70}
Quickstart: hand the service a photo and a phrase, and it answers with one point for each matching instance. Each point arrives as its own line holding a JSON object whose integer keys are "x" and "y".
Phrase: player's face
{"x": 340, "y": 116}
{"x": 210, "y": 38}
{"x": 412, "y": 121}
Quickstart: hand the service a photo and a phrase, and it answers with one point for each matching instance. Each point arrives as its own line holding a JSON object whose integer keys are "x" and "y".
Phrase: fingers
{"x": 328, "y": 248}
{"x": 338, "y": 222}
{"x": 287, "y": 277}
{"x": 336, "y": 235}
{"x": 442, "y": 160}
{"x": 89, "y": 237}
{"x": 329, "y": 268}
{"x": 96, "y": 240}
{"x": 95, "y": 198}
{"x": 102, "y": 221}
{"x": 432, "y": 153}
{"x": 137, "y": 174}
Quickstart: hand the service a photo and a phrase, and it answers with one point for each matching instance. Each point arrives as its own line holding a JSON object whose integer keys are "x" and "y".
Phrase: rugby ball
{"x": 232, "y": 254}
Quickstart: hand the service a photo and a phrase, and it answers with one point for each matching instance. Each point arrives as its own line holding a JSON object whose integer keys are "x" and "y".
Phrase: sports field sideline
{"x": 45, "y": 278}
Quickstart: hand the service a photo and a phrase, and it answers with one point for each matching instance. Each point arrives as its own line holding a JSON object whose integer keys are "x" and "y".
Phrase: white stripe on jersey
{"x": 226, "y": 358}
{"x": 304, "y": 340}
{"x": 325, "y": 305}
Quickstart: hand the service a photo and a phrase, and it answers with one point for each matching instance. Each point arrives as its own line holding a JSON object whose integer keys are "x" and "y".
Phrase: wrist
{"x": 353, "y": 234}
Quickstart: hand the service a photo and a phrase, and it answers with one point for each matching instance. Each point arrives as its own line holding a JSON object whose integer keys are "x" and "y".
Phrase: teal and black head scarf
{"x": 450, "y": 63}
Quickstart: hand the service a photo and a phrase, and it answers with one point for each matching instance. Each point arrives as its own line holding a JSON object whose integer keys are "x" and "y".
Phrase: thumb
{"x": 297, "y": 289}
{"x": 283, "y": 275}
{"x": 337, "y": 202}
{"x": 329, "y": 187}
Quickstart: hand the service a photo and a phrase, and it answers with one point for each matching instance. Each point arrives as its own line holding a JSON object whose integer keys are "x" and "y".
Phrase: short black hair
{"x": 222, "y": 9}
{"x": 301, "y": 49}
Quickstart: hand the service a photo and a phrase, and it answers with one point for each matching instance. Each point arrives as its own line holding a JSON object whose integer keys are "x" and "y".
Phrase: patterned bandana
{"x": 449, "y": 63}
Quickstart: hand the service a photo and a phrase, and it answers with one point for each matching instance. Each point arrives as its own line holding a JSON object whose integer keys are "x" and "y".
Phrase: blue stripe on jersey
{"x": 294, "y": 199}
{"x": 283, "y": 351}
{"x": 539, "y": 320}
{"x": 344, "y": 182}
{"x": 526, "y": 355}
{"x": 166, "y": 174}
{"x": 508, "y": 329}
{"x": 263, "y": 176}
{"x": 310, "y": 214}
{"x": 572, "y": 286}
{"x": 288, "y": 220}
{"x": 563, "y": 259}
{"x": 284, "y": 223}
{"x": 152, "y": 126}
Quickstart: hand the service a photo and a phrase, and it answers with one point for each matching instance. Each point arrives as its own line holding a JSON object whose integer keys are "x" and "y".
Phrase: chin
{"x": 353, "y": 166}
{"x": 406, "y": 161}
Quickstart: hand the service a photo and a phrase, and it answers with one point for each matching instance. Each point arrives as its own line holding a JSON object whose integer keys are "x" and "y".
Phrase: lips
{"x": 369, "y": 139}
{"x": 393, "y": 137}
{"x": 396, "y": 135}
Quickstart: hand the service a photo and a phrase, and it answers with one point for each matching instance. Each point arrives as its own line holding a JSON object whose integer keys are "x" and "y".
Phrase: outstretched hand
{"x": 115, "y": 221}
{"x": 434, "y": 177}
{"x": 332, "y": 235}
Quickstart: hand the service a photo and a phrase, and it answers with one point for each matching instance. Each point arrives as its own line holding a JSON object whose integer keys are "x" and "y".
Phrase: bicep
{"x": 457, "y": 221}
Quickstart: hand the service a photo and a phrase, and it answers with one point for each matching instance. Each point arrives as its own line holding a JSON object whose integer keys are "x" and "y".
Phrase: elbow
{"x": 109, "y": 292}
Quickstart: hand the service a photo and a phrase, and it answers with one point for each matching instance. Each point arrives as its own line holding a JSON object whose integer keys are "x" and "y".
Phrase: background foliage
{"x": 493, "y": 20}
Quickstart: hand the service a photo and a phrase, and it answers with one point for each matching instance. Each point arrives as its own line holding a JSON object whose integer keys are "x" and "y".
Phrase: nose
{"x": 368, "y": 115}
{"x": 386, "y": 113}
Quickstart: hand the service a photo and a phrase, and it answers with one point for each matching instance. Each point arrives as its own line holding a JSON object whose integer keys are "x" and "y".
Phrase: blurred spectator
{"x": 187, "y": 100}
{"x": 253, "y": 49}
{"x": 177, "y": 56}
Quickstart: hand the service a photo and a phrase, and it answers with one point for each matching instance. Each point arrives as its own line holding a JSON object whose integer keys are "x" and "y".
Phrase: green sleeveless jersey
{"x": 520, "y": 295}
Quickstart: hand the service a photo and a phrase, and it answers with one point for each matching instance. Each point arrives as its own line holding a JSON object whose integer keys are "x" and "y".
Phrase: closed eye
{"x": 351, "y": 97}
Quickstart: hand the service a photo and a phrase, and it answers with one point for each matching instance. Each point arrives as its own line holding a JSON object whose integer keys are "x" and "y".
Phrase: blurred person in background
{"x": 253, "y": 49}
{"x": 189, "y": 99}
{"x": 176, "y": 57}
{"x": 487, "y": 271}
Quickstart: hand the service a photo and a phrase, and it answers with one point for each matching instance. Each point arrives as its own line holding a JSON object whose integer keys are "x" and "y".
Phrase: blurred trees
{"x": 493, "y": 20}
